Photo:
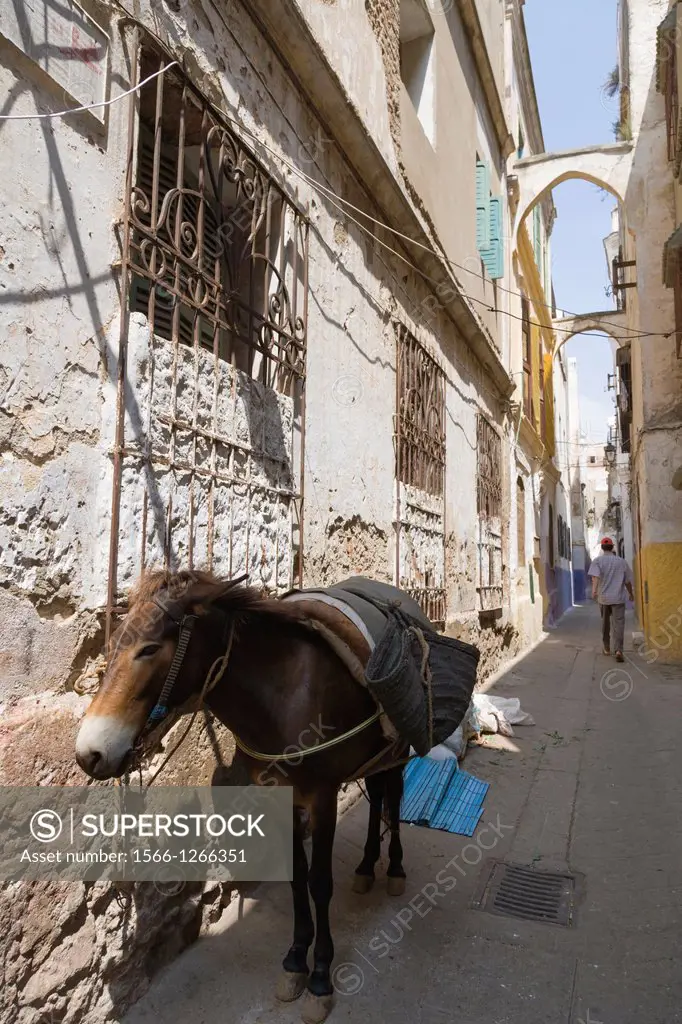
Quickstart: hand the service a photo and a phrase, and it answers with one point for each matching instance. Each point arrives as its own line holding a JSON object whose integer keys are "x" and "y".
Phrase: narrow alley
{"x": 590, "y": 789}
{"x": 374, "y": 306}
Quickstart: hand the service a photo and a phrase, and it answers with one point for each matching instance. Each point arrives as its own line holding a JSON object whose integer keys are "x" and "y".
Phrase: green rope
{"x": 308, "y": 750}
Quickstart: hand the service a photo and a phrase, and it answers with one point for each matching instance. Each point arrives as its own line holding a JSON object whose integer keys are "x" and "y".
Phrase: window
{"x": 211, "y": 361}
{"x": 672, "y": 110}
{"x": 623, "y": 363}
{"x": 489, "y": 503}
{"x": 420, "y": 451}
{"x": 420, "y": 476}
{"x": 677, "y": 293}
{"x": 667, "y": 77}
{"x": 672, "y": 276}
{"x": 489, "y": 223}
{"x": 520, "y": 522}
{"x": 550, "y": 538}
{"x": 417, "y": 62}
{"x": 541, "y": 372}
{"x": 593, "y": 460}
{"x": 521, "y": 148}
{"x": 215, "y": 246}
{"x": 527, "y": 359}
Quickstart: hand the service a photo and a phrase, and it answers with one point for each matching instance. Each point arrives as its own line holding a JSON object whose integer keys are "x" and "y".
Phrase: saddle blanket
{"x": 361, "y": 600}
{"x": 421, "y": 680}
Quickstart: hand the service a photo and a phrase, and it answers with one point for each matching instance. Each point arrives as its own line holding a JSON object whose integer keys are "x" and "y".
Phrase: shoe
{"x": 619, "y": 656}
{"x": 606, "y": 650}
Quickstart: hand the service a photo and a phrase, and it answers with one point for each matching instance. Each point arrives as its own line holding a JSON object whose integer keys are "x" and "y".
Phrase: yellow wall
{"x": 539, "y": 315}
{"x": 549, "y": 405}
{"x": 660, "y": 569}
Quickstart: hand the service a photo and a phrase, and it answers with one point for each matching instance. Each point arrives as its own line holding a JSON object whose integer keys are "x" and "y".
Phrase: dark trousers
{"x": 615, "y": 613}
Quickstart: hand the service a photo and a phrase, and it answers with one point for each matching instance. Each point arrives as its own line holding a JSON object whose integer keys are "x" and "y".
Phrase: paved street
{"x": 593, "y": 787}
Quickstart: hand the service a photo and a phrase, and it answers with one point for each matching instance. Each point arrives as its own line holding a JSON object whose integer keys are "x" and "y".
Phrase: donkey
{"x": 279, "y": 679}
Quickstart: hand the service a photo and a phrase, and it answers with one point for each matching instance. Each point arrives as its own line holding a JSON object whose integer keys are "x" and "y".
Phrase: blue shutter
{"x": 482, "y": 206}
{"x": 493, "y": 255}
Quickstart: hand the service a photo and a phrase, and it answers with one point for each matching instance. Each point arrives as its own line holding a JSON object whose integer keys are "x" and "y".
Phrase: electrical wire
{"x": 336, "y": 199}
{"x": 90, "y": 106}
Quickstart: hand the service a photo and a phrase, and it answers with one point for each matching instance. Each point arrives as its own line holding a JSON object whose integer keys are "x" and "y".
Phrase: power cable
{"x": 89, "y": 106}
{"x": 335, "y": 199}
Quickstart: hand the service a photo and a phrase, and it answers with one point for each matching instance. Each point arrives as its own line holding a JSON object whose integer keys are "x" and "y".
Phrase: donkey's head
{"x": 158, "y": 660}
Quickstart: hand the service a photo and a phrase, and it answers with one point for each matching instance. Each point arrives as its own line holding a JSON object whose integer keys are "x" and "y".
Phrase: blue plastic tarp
{"x": 437, "y": 794}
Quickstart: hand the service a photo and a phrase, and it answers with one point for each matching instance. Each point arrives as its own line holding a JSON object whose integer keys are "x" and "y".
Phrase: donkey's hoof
{"x": 395, "y": 886}
{"x": 363, "y": 883}
{"x": 290, "y": 986}
{"x": 316, "y": 1008}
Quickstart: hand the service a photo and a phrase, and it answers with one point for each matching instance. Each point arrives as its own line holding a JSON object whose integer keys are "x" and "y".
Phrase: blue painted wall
{"x": 564, "y": 582}
{"x": 560, "y": 590}
{"x": 579, "y": 585}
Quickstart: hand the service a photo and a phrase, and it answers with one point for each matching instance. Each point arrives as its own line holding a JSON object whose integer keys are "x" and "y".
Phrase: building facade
{"x": 641, "y": 170}
{"x": 243, "y": 330}
{"x": 532, "y": 353}
{"x": 647, "y": 432}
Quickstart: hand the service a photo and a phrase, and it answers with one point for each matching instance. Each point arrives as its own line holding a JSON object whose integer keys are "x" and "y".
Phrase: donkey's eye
{"x": 149, "y": 651}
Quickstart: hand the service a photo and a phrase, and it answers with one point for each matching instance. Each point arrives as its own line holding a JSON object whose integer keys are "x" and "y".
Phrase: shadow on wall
{"x": 559, "y": 584}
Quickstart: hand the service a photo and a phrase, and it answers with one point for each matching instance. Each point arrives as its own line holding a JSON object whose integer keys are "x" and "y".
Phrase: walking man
{"x": 611, "y": 578}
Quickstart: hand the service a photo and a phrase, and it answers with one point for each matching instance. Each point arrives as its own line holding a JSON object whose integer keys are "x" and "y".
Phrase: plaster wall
{"x": 656, "y": 369}
{"x": 59, "y": 341}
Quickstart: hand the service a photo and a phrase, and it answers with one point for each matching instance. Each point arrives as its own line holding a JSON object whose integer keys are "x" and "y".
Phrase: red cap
{"x": 606, "y": 542}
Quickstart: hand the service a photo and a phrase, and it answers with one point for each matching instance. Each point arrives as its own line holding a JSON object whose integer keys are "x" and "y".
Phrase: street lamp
{"x": 610, "y": 454}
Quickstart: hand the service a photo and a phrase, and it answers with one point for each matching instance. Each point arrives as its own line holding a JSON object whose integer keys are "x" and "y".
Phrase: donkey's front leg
{"x": 320, "y": 994}
{"x": 293, "y": 980}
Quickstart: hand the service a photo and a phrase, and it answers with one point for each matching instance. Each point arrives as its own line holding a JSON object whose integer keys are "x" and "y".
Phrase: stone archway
{"x": 606, "y": 166}
{"x": 610, "y": 322}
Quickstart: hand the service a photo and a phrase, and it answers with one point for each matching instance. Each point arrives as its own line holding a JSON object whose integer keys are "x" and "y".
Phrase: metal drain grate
{"x": 513, "y": 890}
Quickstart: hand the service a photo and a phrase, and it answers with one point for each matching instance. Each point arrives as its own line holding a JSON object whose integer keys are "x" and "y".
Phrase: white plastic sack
{"x": 484, "y": 714}
{"x": 511, "y": 709}
{"x": 498, "y": 714}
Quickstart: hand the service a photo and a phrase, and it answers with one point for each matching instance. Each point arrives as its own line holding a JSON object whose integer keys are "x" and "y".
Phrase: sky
{"x": 573, "y": 48}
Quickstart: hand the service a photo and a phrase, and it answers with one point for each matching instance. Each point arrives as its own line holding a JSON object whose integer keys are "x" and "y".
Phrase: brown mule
{"x": 283, "y": 688}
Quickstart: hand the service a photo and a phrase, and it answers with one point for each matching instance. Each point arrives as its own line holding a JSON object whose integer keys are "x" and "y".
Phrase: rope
{"x": 426, "y": 677}
{"x": 308, "y": 750}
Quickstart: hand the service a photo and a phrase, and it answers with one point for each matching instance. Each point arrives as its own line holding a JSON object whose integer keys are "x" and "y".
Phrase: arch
{"x": 607, "y": 166}
{"x": 608, "y": 321}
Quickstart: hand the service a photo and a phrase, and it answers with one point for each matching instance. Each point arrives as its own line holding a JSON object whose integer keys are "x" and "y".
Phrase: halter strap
{"x": 186, "y": 622}
{"x": 160, "y": 709}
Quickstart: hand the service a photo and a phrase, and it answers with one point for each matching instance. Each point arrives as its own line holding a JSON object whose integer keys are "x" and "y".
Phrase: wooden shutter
{"x": 493, "y": 255}
{"x": 482, "y": 206}
{"x": 141, "y": 286}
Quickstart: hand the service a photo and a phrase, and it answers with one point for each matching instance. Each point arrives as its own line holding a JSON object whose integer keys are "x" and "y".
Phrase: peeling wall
{"x": 59, "y": 339}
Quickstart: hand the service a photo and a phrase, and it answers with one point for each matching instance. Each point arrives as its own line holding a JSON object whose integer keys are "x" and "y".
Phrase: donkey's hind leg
{"x": 395, "y": 883}
{"x": 364, "y": 872}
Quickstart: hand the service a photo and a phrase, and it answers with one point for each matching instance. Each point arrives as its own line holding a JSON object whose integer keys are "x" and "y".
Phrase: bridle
{"x": 162, "y": 717}
{"x": 186, "y": 623}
